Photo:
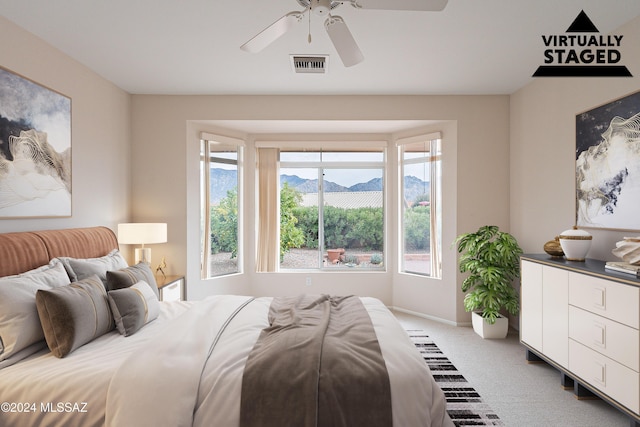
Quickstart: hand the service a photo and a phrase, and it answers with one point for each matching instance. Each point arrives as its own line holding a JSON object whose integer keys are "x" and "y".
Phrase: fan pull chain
{"x": 309, "y": 38}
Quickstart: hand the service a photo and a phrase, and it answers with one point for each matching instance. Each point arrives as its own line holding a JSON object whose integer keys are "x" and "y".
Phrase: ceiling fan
{"x": 335, "y": 26}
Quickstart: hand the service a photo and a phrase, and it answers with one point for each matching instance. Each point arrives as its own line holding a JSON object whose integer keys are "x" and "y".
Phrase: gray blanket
{"x": 318, "y": 364}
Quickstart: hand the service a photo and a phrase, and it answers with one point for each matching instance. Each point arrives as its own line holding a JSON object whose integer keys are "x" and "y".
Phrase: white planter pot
{"x": 487, "y": 330}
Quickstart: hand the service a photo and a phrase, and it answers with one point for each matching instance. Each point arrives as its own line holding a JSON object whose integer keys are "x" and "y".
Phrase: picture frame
{"x": 35, "y": 149}
{"x": 608, "y": 165}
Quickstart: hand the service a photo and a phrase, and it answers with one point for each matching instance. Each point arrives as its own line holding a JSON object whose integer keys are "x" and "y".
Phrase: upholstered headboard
{"x": 24, "y": 251}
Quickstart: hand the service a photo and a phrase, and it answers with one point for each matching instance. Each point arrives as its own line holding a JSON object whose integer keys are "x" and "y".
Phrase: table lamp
{"x": 142, "y": 234}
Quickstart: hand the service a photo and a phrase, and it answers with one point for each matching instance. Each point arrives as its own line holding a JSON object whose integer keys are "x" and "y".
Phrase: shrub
{"x": 351, "y": 259}
{"x": 417, "y": 228}
{"x": 376, "y": 259}
{"x": 290, "y": 235}
{"x": 308, "y": 225}
{"x": 224, "y": 225}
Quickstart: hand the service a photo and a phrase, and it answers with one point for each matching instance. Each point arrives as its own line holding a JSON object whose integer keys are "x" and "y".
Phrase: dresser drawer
{"x": 612, "y": 339}
{"x": 171, "y": 288}
{"x": 617, "y": 381}
{"x": 606, "y": 298}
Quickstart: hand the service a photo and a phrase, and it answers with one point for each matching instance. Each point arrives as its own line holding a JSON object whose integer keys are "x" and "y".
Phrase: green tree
{"x": 365, "y": 228}
{"x": 290, "y": 235}
{"x": 224, "y": 225}
{"x": 417, "y": 228}
{"x": 308, "y": 223}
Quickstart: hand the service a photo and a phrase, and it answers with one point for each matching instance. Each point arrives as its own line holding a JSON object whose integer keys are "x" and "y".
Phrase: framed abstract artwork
{"x": 35, "y": 149}
{"x": 608, "y": 165}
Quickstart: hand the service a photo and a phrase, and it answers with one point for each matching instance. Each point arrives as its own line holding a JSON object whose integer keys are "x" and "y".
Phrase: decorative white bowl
{"x": 575, "y": 244}
{"x": 629, "y": 250}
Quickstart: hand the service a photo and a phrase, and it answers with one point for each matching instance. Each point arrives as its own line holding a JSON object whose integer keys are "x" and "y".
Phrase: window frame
{"x": 434, "y": 143}
{"x": 207, "y": 142}
{"x": 321, "y": 166}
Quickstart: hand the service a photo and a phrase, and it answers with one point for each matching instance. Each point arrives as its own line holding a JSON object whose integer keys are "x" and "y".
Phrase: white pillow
{"x": 19, "y": 321}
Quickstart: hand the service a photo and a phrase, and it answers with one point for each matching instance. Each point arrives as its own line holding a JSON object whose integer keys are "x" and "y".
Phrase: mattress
{"x": 153, "y": 377}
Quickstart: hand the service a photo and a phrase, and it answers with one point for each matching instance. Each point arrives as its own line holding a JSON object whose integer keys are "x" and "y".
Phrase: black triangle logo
{"x": 582, "y": 24}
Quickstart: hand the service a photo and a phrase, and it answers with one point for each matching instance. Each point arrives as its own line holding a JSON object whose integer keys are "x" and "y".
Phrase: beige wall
{"x": 543, "y": 150}
{"x": 165, "y": 183}
{"x": 100, "y": 131}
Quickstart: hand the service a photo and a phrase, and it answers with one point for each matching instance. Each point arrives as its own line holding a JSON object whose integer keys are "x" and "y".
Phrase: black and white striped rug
{"x": 464, "y": 404}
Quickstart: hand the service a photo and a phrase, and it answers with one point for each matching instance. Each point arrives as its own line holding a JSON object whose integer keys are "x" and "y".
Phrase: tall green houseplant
{"x": 492, "y": 259}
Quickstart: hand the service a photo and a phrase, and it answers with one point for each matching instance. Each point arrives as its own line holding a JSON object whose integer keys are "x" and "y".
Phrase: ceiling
{"x": 193, "y": 47}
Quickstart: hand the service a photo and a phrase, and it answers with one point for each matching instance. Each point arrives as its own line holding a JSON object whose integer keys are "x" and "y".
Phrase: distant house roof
{"x": 346, "y": 199}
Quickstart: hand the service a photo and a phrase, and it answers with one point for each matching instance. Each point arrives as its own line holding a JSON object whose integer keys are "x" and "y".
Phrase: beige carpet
{"x": 520, "y": 393}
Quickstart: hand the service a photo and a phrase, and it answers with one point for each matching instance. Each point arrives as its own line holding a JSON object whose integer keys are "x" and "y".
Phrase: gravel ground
{"x": 294, "y": 259}
{"x": 304, "y": 258}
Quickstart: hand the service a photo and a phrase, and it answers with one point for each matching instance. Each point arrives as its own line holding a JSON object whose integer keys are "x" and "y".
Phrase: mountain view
{"x": 228, "y": 180}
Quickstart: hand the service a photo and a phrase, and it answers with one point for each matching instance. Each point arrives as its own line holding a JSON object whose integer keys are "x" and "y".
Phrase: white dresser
{"x": 585, "y": 321}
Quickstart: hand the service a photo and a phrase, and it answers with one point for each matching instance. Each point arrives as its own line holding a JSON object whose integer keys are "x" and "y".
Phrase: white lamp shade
{"x": 142, "y": 233}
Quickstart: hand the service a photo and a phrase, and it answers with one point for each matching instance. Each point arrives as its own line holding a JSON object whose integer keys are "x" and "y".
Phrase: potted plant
{"x": 492, "y": 259}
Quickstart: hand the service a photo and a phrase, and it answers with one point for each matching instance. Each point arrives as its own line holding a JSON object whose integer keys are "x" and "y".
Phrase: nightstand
{"x": 171, "y": 287}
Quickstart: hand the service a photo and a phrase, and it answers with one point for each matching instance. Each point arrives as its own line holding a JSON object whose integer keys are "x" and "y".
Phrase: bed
{"x": 183, "y": 363}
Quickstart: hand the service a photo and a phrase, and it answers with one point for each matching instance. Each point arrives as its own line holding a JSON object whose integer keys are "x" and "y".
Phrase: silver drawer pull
{"x": 600, "y": 335}
{"x": 599, "y": 298}
{"x": 600, "y": 373}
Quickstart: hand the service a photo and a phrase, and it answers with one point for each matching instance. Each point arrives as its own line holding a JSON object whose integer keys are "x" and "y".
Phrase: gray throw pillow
{"x": 81, "y": 268}
{"x": 129, "y": 276}
{"x": 133, "y": 307}
{"x": 74, "y": 315}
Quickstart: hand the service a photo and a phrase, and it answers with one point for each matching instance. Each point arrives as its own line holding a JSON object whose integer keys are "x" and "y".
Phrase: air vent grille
{"x": 310, "y": 64}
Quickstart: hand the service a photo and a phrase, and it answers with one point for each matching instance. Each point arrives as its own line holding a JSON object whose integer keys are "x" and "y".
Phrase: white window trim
{"x": 222, "y": 141}
{"x": 436, "y": 264}
{"x": 419, "y": 138}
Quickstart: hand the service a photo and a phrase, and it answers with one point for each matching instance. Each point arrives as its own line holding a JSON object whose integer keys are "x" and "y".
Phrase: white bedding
{"x": 35, "y": 387}
{"x": 148, "y": 378}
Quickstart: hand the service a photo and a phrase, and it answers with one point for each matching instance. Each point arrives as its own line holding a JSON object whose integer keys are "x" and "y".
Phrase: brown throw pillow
{"x": 74, "y": 315}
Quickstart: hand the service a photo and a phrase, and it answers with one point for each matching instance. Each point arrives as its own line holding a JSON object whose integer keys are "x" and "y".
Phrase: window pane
{"x": 359, "y": 157}
{"x": 350, "y": 223}
{"x": 421, "y": 208}
{"x": 353, "y": 222}
{"x": 286, "y": 156}
{"x": 299, "y": 218}
{"x": 221, "y": 225}
{"x": 331, "y": 156}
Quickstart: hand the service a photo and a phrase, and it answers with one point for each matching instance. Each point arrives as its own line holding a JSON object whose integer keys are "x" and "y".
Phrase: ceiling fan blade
{"x": 272, "y": 32}
{"x": 343, "y": 41}
{"x": 419, "y": 5}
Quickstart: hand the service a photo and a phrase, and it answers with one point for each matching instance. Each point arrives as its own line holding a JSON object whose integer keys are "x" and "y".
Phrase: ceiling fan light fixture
{"x": 335, "y": 26}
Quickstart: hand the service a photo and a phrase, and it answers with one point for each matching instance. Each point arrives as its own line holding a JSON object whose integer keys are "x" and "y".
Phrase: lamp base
{"x": 143, "y": 255}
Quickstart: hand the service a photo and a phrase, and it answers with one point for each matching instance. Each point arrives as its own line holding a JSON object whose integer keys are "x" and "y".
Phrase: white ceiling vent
{"x": 310, "y": 64}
